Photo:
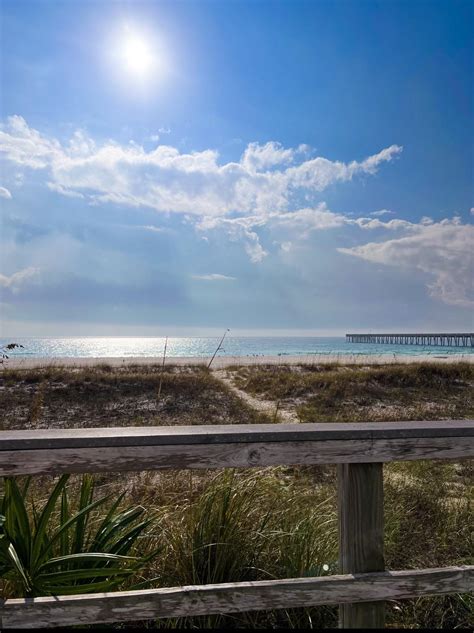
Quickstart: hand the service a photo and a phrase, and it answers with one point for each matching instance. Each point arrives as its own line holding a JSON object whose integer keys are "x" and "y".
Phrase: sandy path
{"x": 264, "y": 406}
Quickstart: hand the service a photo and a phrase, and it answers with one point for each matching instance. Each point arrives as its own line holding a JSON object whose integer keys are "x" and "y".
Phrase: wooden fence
{"x": 359, "y": 450}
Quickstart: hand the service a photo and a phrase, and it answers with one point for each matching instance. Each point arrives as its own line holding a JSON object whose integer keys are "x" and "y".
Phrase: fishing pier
{"x": 441, "y": 340}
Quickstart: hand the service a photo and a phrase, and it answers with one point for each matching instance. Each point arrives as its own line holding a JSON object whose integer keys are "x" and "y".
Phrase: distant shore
{"x": 226, "y": 361}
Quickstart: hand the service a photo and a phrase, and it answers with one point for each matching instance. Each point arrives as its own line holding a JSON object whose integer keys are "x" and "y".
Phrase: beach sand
{"x": 220, "y": 362}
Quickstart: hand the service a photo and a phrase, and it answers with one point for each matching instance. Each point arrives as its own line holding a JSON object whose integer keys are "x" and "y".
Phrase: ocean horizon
{"x": 195, "y": 347}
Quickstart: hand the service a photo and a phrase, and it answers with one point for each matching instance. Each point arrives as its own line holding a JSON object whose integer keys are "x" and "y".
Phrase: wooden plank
{"x": 361, "y": 537}
{"x": 238, "y": 455}
{"x": 175, "y": 602}
{"x": 224, "y": 434}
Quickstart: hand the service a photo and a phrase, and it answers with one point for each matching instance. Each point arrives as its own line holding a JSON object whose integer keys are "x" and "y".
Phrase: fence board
{"x": 233, "y": 446}
{"x": 135, "y": 458}
{"x": 361, "y": 537}
{"x": 229, "y": 433}
{"x": 129, "y": 606}
{"x": 364, "y": 445}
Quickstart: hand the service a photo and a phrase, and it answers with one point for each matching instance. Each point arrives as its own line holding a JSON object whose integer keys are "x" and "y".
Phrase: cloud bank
{"x": 443, "y": 250}
{"x": 270, "y": 192}
{"x": 267, "y": 176}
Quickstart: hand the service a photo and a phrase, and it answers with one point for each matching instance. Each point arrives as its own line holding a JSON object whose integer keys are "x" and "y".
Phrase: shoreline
{"x": 226, "y": 361}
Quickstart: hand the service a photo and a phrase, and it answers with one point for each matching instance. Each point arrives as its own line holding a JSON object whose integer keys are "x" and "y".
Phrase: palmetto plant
{"x": 65, "y": 548}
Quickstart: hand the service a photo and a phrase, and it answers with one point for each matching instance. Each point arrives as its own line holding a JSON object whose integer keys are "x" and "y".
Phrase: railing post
{"x": 361, "y": 536}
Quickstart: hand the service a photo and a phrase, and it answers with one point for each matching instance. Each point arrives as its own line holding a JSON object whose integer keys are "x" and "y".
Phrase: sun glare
{"x": 137, "y": 55}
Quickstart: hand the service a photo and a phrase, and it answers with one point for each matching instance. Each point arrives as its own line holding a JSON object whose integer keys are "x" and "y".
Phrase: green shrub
{"x": 59, "y": 549}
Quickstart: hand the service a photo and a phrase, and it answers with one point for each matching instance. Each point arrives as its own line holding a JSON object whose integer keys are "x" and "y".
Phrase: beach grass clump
{"x": 100, "y": 396}
{"x": 428, "y": 523}
{"x": 280, "y": 523}
{"x": 370, "y": 393}
{"x": 429, "y": 513}
{"x": 246, "y": 526}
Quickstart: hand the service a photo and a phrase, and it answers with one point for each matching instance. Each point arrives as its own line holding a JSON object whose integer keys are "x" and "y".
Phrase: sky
{"x": 272, "y": 167}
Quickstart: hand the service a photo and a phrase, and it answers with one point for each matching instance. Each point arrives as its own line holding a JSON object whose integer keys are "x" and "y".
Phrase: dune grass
{"x": 343, "y": 393}
{"x": 97, "y": 396}
{"x": 222, "y": 526}
{"x": 278, "y": 523}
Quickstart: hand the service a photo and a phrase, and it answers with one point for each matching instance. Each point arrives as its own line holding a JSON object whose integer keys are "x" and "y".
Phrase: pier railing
{"x": 359, "y": 450}
{"x": 463, "y": 339}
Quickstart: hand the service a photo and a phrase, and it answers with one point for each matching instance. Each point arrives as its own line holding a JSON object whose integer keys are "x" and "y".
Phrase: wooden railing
{"x": 359, "y": 450}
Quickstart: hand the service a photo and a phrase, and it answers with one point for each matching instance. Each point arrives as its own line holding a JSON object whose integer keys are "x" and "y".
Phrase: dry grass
{"x": 104, "y": 396}
{"x": 274, "y": 522}
{"x": 347, "y": 393}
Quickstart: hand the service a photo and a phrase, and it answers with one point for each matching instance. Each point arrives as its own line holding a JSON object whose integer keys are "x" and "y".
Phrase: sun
{"x": 137, "y": 55}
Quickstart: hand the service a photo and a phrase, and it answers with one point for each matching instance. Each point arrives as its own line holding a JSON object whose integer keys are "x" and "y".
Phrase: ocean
{"x": 126, "y": 347}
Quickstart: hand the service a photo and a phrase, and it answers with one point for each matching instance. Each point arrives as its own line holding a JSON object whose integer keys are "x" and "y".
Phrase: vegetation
{"x": 5, "y": 351}
{"x": 55, "y": 397}
{"x": 250, "y": 525}
{"x": 59, "y": 549}
{"x": 343, "y": 393}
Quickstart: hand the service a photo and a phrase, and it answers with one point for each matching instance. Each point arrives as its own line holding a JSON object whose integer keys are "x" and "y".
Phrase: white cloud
{"x": 375, "y": 223}
{"x": 17, "y": 279}
{"x": 5, "y": 193}
{"x": 154, "y": 229}
{"x": 308, "y": 219}
{"x": 257, "y": 157}
{"x": 267, "y": 177}
{"x": 214, "y": 277}
{"x": 53, "y": 186}
{"x": 27, "y": 147}
{"x": 382, "y": 212}
{"x": 443, "y": 251}
{"x": 298, "y": 224}
{"x": 319, "y": 173}
{"x": 472, "y": 210}
{"x": 239, "y": 230}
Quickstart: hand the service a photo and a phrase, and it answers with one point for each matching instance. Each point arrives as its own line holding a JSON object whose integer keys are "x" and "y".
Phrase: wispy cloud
{"x": 444, "y": 251}
{"x": 214, "y": 277}
{"x": 5, "y": 193}
{"x": 154, "y": 229}
{"x": 239, "y": 230}
{"x": 382, "y": 212}
{"x": 17, "y": 279}
{"x": 299, "y": 224}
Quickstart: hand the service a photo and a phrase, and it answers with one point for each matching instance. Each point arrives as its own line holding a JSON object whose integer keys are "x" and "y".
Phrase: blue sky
{"x": 181, "y": 167}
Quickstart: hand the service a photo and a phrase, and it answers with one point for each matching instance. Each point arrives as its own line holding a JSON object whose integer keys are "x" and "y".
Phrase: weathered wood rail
{"x": 359, "y": 450}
